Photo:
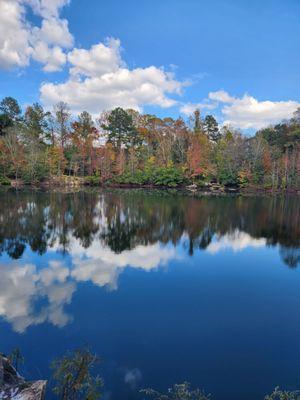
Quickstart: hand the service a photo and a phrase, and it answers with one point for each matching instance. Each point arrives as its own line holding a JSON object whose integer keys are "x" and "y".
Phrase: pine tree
{"x": 120, "y": 129}
{"x": 211, "y": 128}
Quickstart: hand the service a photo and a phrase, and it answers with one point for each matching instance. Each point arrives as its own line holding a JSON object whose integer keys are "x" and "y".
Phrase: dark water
{"x": 164, "y": 287}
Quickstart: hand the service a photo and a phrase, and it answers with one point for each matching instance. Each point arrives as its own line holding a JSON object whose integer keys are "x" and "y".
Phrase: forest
{"x": 126, "y": 147}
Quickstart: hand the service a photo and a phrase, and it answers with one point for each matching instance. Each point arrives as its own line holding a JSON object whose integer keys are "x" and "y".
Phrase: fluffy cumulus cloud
{"x": 210, "y": 103}
{"x": 47, "y": 8}
{"x": 52, "y": 58}
{"x": 247, "y": 112}
{"x": 99, "y": 80}
{"x": 14, "y": 35}
{"x": 221, "y": 96}
{"x": 22, "y": 286}
{"x": 54, "y": 31}
{"x": 98, "y": 77}
{"x": 102, "y": 266}
{"x": 244, "y": 112}
{"x": 20, "y": 41}
{"x": 235, "y": 241}
{"x": 98, "y": 60}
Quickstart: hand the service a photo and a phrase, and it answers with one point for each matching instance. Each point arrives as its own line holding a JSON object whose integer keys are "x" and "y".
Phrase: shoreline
{"x": 210, "y": 189}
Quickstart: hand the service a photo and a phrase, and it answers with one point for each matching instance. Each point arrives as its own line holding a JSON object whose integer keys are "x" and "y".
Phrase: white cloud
{"x": 236, "y": 241}
{"x": 55, "y": 32}
{"x": 20, "y": 41}
{"x": 98, "y": 77}
{"x": 14, "y": 35}
{"x": 102, "y": 266}
{"x": 99, "y": 81}
{"x": 189, "y": 108}
{"x": 52, "y": 58}
{"x": 247, "y": 112}
{"x": 22, "y": 285}
{"x": 55, "y": 272}
{"x": 132, "y": 377}
{"x": 47, "y": 8}
{"x": 100, "y": 59}
{"x": 221, "y": 96}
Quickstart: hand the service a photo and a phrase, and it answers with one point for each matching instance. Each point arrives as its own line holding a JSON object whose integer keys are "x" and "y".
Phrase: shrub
{"x": 168, "y": 176}
{"x": 93, "y": 180}
{"x": 73, "y": 376}
{"x": 158, "y": 176}
{"x": 228, "y": 178}
{"x": 243, "y": 178}
{"x": 4, "y": 180}
{"x": 136, "y": 178}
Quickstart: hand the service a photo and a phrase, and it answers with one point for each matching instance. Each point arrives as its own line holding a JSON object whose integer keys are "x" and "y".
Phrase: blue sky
{"x": 237, "y": 59}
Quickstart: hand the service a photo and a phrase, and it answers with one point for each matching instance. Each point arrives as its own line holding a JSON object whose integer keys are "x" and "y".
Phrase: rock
{"x": 216, "y": 188}
{"x": 192, "y": 188}
{"x": 17, "y": 183}
{"x": 232, "y": 189}
{"x": 66, "y": 181}
{"x": 14, "y": 386}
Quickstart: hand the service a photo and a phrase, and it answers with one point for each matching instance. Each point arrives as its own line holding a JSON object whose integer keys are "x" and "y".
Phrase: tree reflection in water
{"x": 99, "y": 233}
{"x": 122, "y": 220}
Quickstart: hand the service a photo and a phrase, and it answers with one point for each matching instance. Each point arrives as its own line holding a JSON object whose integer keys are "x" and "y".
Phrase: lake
{"x": 165, "y": 287}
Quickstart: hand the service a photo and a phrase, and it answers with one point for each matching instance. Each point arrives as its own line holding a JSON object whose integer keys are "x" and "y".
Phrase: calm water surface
{"x": 164, "y": 287}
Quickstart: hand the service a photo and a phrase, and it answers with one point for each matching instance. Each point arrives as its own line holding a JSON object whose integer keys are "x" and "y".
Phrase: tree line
{"x": 126, "y": 147}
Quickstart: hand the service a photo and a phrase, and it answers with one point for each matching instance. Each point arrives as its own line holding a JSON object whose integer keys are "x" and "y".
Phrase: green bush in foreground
{"x": 74, "y": 380}
{"x": 72, "y": 375}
